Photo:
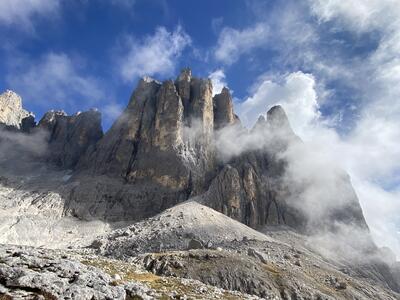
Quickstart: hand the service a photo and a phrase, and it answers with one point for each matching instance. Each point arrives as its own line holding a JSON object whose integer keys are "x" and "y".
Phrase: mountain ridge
{"x": 164, "y": 147}
{"x": 176, "y": 147}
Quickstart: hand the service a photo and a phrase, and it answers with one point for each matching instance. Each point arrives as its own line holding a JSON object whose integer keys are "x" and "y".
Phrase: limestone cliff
{"x": 161, "y": 148}
{"x": 70, "y": 136}
{"x": 58, "y": 138}
{"x": 11, "y": 111}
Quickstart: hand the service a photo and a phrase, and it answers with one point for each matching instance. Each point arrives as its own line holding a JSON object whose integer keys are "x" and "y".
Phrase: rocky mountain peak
{"x": 277, "y": 118}
{"x": 12, "y": 98}
{"x": 11, "y": 111}
{"x": 261, "y": 121}
{"x": 70, "y": 136}
{"x": 50, "y": 118}
{"x": 169, "y": 122}
{"x": 185, "y": 75}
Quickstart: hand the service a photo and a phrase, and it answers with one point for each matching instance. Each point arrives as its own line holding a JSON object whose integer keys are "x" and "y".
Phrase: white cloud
{"x": 359, "y": 15}
{"x": 21, "y": 12}
{"x": 370, "y": 153}
{"x": 54, "y": 77}
{"x": 218, "y": 81}
{"x": 382, "y": 66}
{"x": 232, "y": 43}
{"x": 381, "y": 209}
{"x": 156, "y": 54}
{"x": 296, "y": 94}
{"x": 111, "y": 111}
{"x": 372, "y": 146}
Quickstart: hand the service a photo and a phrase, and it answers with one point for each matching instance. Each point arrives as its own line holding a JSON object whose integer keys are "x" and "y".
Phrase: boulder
{"x": 195, "y": 244}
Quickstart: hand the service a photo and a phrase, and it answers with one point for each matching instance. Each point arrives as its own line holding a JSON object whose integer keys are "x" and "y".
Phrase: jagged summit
{"x": 277, "y": 117}
{"x": 149, "y": 79}
{"x": 11, "y": 111}
{"x": 185, "y": 75}
{"x": 62, "y": 139}
{"x": 70, "y": 136}
{"x": 12, "y": 98}
{"x": 223, "y": 109}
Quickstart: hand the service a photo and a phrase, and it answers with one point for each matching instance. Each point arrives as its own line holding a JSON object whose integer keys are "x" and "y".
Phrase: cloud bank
{"x": 233, "y": 43}
{"x": 155, "y": 54}
{"x": 21, "y": 13}
{"x": 296, "y": 93}
{"x": 54, "y": 77}
{"x": 346, "y": 104}
{"x": 218, "y": 81}
{"x": 368, "y": 160}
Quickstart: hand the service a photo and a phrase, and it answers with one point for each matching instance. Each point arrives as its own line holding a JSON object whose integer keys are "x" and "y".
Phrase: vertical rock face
{"x": 163, "y": 138}
{"x": 226, "y": 192}
{"x": 201, "y": 113}
{"x": 70, "y": 136}
{"x": 28, "y": 124}
{"x": 259, "y": 189}
{"x": 159, "y": 152}
{"x": 11, "y": 111}
{"x": 223, "y": 109}
{"x": 115, "y": 153}
{"x": 183, "y": 87}
{"x": 168, "y": 127}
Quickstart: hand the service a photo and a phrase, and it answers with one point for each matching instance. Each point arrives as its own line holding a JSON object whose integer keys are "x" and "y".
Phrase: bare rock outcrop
{"x": 161, "y": 148}
{"x": 70, "y": 136}
{"x": 251, "y": 186}
{"x": 11, "y": 111}
{"x": 223, "y": 109}
{"x": 27, "y": 273}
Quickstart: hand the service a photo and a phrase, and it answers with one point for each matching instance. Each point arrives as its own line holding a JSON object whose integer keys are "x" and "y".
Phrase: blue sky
{"x": 333, "y": 65}
{"x": 92, "y": 39}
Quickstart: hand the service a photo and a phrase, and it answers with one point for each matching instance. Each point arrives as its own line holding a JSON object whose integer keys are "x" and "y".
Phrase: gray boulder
{"x": 195, "y": 244}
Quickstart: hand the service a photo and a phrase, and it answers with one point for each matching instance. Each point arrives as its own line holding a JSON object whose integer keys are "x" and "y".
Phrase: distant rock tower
{"x": 11, "y": 111}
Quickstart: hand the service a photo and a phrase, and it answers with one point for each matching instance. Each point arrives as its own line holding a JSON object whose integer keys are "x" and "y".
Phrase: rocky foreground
{"x": 32, "y": 273}
{"x": 177, "y": 200}
{"x": 121, "y": 265}
{"x": 189, "y": 252}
